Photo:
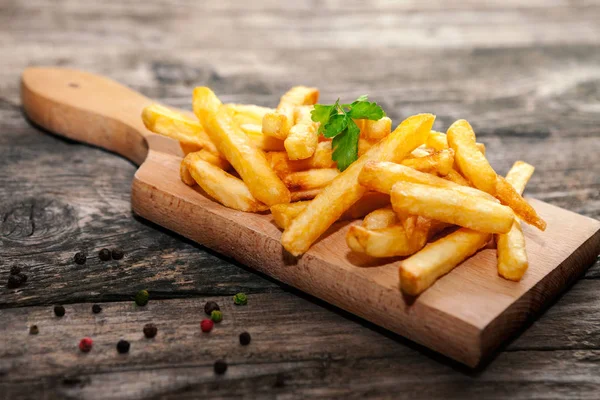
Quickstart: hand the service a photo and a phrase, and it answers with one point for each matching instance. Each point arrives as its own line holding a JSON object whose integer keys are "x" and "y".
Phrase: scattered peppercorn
{"x": 117, "y": 254}
{"x": 240, "y": 299}
{"x": 15, "y": 270}
{"x": 22, "y": 277}
{"x": 245, "y": 338}
{"x": 206, "y": 325}
{"x": 211, "y": 306}
{"x": 150, "y": 330}
{"x": 34, "y": 330}
{"x": 80, "y": 258}
{"x": 220, "y": 367}
{"x": 59, "y": 311}
{"x": 279, "y": 380}
{"x": 142, "y": 297}
{"x": 104, "y": 254}
{"x": 14, "y": 281}
{"x": 96, "y": 309}
{"x": 123, "y": 346}
{"x": 85, "y": 345}
{"x": 216, "y": 316}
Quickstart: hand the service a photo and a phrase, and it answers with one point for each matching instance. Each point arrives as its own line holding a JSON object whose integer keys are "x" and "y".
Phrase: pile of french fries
{"x": 430, "y": 197}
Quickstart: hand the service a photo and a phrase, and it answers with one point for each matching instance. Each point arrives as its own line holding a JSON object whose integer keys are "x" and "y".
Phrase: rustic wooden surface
{"x": 526, "y": 74}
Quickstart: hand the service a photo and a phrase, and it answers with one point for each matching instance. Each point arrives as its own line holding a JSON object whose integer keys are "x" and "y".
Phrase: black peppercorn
{"x": 15, "y": 270}
{"x": 96, "y": 309}
{"x": 220, "y": 367}
{"x": 59, "y": 311}
{"x": 279, "y": 380}
{"x": 211, "y": 306}
{"x": 22, "y": 277}
{"x": 14, "y": 281}
{"x": 245, "y": 338}
{"x": 104, "y": 254}
{"x": 123, "y": 346}
{"x": 33, "y": 330}
{"x": 80, "y": 258}
{"x": 117, "y": 254}
{"x": 150, "y": 330}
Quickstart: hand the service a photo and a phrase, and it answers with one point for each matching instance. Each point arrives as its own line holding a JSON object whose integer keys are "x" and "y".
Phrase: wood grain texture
{"x": 524, "y": 73}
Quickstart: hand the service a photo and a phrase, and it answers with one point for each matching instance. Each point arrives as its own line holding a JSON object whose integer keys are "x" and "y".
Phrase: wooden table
{"x": 526, "y": 74}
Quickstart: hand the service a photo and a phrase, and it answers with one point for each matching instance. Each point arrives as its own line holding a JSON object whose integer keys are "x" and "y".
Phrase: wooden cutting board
{"x": 465, "y": 315}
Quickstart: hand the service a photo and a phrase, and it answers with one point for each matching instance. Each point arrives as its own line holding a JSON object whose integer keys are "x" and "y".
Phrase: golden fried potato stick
{"x": 248, "y": 113}
{"x": 387, "y": 242}
{"x": 221, "y": 186}
{"x": 375, "y": 130}
{"x": 178, "y": 126}
{"x": 282, "y": 165}
{"x": 364, "y": 145}
{"x": 345, "y": 190}
{"x": 249, "y": 162}
{"x": 452, "y": 207}
{"x": 382, "y": 176}
{"x": 279, "y": 123}
{"x": 477, "y": 169}
{"x": 456, "y": 177}
{"x": 512, "y": 255}
{"x": 380, "y": 218}
{"x": 311, "y": 179}
{"x": 185, "y": 175}
{"x": 472, "y": 163}
{"x": 260, "y": 140}
{"x": 440, "y": 162}
{"x": 439, "y": 141}
{"x": 214, "y": 159}
{"x": 419, "y": 271}
{"x": 285, "y": 213}
{"x": 302, "y": 139}
{"x": 302, "y": 195}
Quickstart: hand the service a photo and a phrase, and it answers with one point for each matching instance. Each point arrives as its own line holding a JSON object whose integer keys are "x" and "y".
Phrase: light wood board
{"x": 465, "y": 315}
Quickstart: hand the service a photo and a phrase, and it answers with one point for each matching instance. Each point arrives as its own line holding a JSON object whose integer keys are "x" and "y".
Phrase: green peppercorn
{"x": 240, "y": 299}
{"x": 216, "y": 316}
{"x": 142, "y": 297}
{"x": 34, "y": 330}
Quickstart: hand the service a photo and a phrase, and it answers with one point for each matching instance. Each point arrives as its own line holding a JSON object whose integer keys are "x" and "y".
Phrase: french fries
{"x": 260, "y": 140}
{"x": 311, "y": 179}
{"x": 422, "y": 269}
{"x": 223, "y": 187}
{"x": 452, "y": 207}
{"x": 249, "y": 162}
{"x": 381, "y": 176}
{"x": 477, "y": 169}
{"x": 470, "y": 160}
{"x": 302, "y": 139}
{"x": 440, "y": 162}
{"x": 283, "y": 214}
{"x": 345, "y": 190}
{"x": 512, "y": 255}
{"x": 408, "y": 185}
{"x": 178, "y": 126}
{"x": 279, "y": 123}
{"x": 380, "y": 218}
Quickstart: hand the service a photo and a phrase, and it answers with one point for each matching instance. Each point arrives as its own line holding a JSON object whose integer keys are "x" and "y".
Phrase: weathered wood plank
{"x": 325, "y": 355}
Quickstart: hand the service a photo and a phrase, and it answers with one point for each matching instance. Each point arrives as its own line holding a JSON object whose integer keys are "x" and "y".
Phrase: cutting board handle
{"x": 91, "y": 109}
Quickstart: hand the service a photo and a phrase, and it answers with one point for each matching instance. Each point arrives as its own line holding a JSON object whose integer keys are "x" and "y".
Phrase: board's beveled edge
{"x": 509, "y": 322}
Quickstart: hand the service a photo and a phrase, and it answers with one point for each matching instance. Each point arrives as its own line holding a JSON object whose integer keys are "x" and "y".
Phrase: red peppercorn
{"x": 85, "y": 345}
{"x": 206, "y": 325}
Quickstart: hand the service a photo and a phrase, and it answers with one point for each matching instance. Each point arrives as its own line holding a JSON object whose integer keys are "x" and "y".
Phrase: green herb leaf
{"x": 366, "y": 110}
{"x": 345, "y": 146}
{"x": 336, "y": 125}
{"x": 337, "y": 122}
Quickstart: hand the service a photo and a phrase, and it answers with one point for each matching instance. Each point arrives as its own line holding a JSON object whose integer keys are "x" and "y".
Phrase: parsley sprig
{"x": 337, "y": 122}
